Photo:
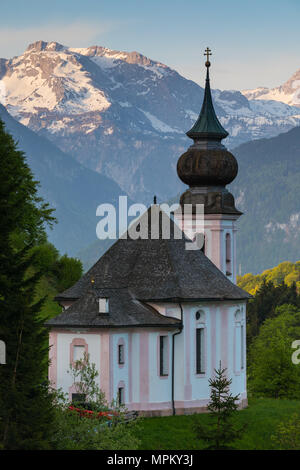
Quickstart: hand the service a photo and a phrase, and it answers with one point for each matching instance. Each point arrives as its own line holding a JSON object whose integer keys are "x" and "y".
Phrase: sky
{"x": 254, "y": 42}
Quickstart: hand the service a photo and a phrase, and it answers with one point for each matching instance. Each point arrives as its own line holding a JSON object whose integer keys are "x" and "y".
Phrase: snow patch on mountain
{"x": 288, "y": 93}
{"x": 96, "y": 103}
{"x": 159, "y": 125}
{"x": 50, "y": 80}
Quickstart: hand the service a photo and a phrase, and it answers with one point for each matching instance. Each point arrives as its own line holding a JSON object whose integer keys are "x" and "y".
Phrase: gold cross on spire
{"x": 207, "y": 53}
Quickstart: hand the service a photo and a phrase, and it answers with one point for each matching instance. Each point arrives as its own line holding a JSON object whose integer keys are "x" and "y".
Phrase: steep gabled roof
{"x": 157, "y": 269}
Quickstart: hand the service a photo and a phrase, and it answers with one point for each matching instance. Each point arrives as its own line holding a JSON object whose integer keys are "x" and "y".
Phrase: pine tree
{"x": 221, "y": 431}
{"x": 25, "y": 403}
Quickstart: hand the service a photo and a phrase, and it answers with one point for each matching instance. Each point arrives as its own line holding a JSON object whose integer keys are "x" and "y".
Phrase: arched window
{"x": 228, "y": 254}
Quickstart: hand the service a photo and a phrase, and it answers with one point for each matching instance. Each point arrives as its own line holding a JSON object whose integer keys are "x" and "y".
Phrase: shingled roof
{"x": 157, "y": 269}
{"x": 124, "y": 311}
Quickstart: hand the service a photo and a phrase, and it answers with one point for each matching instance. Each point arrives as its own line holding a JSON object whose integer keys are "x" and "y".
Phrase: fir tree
{"x": 221, "y": 431}
{"x": 25, "y": 403}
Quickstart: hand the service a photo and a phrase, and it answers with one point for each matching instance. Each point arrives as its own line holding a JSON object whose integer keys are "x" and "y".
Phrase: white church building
{"x": 157, "y": 318}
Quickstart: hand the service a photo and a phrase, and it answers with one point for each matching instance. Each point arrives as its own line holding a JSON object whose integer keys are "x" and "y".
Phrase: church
{"x": 155, "y": 317}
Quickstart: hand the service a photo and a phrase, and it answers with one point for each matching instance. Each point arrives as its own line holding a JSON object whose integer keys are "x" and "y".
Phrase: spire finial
{"x": 207, "y": 53}
{"x": 154, "y": 200}
{"x": 207, "y": 126}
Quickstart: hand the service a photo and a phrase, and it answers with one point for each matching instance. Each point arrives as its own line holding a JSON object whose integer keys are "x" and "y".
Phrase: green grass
{"x": 262, "y": 416}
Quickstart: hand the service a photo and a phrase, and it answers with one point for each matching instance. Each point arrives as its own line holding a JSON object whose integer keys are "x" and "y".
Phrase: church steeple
{"x": 207, "y": 125}
{"x": 207, "y": 167}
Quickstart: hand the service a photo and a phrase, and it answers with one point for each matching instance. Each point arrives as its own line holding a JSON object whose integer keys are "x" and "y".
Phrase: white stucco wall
{"x": 140, "y": 375}
{"x": 64, "y": 340}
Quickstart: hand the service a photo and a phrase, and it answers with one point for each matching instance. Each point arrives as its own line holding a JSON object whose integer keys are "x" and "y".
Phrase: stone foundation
{"x": 184, "y": 411}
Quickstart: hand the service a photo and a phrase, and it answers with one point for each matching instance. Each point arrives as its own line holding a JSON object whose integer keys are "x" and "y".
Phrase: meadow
{"x": 262, "y": 416}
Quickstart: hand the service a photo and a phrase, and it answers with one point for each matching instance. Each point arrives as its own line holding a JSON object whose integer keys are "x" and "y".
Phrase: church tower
{"x": 207, "y": 167}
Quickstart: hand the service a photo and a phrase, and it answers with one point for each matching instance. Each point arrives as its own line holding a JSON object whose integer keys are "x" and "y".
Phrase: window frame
{"x": 200, "y": 350}
{"x": 121, "y": 354}
{"x": 163, "y": 355}
{"x": 121, "y": 395}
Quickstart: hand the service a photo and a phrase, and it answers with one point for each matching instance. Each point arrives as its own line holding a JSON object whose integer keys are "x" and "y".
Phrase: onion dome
{"x": 207, "y": 165}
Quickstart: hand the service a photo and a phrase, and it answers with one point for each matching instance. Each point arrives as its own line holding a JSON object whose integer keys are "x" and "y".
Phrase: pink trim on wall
{"x": 239, "y": 321}
{"x": 236, "y": 372}
{"x": 144, "y": 367}
{"x": 77, "y": 342}
{"x": 130, "y": 367}
{"x": 234, "y": 254}
{"x": 158, "y": 355}
{"x": 166, "y": 405}
{"x": 224, "y": 337}
{"x": 191, "y": 403}
{"x": 213, "y": 328}
{"x": 187, "y": 354}
{"x": 111, "y": 369}
{"x": 72, "y": 389}
{"x": 105, "y": 360}
{"x": 216, "y": 246}
{"x": 53, "y": 359}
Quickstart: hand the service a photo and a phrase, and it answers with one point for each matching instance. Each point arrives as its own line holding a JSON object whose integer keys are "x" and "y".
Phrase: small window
{"x": 121, "y": 396}
{"x": 200, "y": 351}
{"x": 103, "y": 305}
{"x": 78, "y": 398}
{"x": 121, "y": 354}
{"x": 200, "y": 316}
{"x": 228, "y": 255}
{"x": 239, "y": 352}
{"x": 163, "y": 355}
{"x": 242, "y": 346}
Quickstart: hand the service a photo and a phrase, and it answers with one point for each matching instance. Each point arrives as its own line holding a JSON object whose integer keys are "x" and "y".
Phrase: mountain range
{"x": 124, "y": 115}
{"x": 267, "y": 191}
{"x": 288, "y": 93}
{"x": 73, "y": 190}
{"x": 96, "y": 123}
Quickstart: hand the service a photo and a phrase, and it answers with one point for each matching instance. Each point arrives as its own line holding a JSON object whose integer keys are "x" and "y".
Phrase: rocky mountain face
{"x": 288, "y": 93}
{"x": 124, "y": 115}
{"x": 72, "y": 189}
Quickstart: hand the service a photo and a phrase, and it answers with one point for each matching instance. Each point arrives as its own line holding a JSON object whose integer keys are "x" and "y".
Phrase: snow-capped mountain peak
{"x": 288, "y": 93}
{"x": 119, "y": 112}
